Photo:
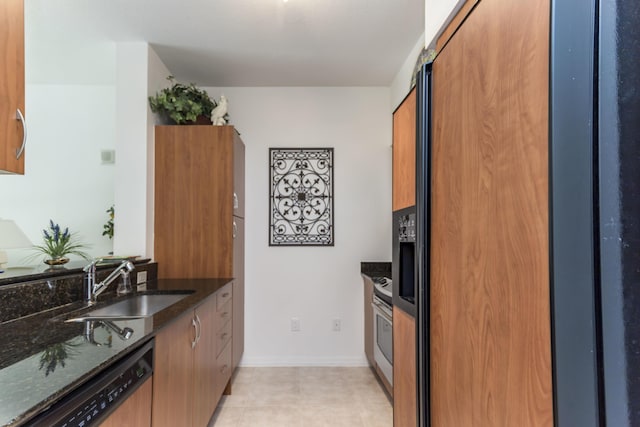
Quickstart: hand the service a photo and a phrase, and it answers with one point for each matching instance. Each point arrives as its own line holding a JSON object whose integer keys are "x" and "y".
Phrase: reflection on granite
{"x": 376, "y": 269}
{"x": 25, "y": 384}
{"x": 34, "y": 372}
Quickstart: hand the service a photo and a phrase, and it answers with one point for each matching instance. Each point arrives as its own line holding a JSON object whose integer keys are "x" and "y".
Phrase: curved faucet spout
{"x": 92, "y": 290}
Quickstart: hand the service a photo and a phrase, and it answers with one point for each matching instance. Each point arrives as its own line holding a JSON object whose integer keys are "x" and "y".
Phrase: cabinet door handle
{"x": 20, "y": 117}
{"x": 195, "y": 329}
{"x": 226, "y": 294}
{"x": 224, "y": 369}
{"x": 235, "y": 229}
{"x": 225, "y": 314}
{"x": 199, "y": 329}
{"x": 235, "y": 201}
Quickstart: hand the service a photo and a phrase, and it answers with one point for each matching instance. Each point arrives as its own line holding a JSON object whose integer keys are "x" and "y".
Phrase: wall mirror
{"x": 70, "y": 110}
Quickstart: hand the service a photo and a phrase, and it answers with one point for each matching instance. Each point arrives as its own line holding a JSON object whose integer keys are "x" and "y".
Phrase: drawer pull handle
{"x": 224, "y": 369}
{"x": 199, "y": 329}
{"x": 20, "y": 117}
{"x": 225, "y": 314}
{"x": 235, "y": 201}
{"x": 226, "y": 294}
{"x": 195, "y": 329}
{"x": 235, "y": 230}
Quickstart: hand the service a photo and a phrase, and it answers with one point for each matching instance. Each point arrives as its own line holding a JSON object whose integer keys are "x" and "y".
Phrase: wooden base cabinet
{"x": 135, "y": 411}
{"x": 188, "y": 381}
{"x": 404, "y": 369}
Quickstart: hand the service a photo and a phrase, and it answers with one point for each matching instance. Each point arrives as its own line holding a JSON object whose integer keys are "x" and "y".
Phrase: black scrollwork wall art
{"x": 301, "y": 197}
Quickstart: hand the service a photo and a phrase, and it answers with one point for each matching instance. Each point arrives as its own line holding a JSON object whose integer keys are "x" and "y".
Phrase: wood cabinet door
{"x": 135, "y": 411}
{"x": 173, "y": 374}
{"x": 238, "y": 292}
{"x": 404, "y": 153}
{"x": 238, "y": 176}
{"x": 490, "y": 310}
{"x": 404, "y": 369}
{"x": 11, "y": 84}
{"x": 204, "y": 364}
{"x": 193, "y": 201}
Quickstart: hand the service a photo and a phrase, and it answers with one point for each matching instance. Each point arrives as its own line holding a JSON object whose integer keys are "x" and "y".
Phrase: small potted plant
{"x": 59, "y": 243}
{"x": 183, "y": 104}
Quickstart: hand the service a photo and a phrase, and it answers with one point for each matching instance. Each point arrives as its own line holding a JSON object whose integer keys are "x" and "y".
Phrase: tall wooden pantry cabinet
{"x": 199, "y": 210}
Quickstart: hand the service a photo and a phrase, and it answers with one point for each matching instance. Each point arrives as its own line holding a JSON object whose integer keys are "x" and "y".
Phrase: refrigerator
{"x": 594, "y": 215}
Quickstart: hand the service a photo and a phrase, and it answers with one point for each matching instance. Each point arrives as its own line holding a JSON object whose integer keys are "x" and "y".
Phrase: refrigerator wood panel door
{"x": 490, "y": 309}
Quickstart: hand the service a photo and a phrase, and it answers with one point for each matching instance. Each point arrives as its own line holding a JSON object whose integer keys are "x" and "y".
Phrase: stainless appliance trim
{"x": 383, "y": 310}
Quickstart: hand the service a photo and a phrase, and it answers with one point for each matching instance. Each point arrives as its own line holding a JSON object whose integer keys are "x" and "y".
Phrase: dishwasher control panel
{"x": 93, "y": 402}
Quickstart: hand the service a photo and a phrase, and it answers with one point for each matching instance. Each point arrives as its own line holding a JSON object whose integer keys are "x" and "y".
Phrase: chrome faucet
{"x": 91, "y": 289}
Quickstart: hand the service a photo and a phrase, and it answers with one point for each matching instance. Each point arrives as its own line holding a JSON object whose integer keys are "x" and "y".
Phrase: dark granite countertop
{"x": 43, "y": 358}
{"x": 375, "y": 269}
{"x": 24, "y": 274}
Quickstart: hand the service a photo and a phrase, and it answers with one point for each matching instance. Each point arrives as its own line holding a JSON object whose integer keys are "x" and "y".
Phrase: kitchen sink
{"x": 132, "y": 308}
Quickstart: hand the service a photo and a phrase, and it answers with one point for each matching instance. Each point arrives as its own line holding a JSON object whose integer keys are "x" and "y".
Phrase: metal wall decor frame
{"x": 301, "y": 197}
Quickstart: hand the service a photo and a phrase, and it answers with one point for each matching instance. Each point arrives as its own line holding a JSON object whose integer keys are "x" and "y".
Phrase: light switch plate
{"x": 141, "y": 277}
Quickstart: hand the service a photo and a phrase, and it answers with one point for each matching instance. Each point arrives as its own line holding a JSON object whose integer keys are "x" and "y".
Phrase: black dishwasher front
{"x": 92, "y": 402}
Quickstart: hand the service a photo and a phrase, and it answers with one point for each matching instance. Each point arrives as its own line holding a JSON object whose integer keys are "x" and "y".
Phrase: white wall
{"x": 157, "y": 80}
{"x": 315, "y": 284}
{"x": 401, "y": 84}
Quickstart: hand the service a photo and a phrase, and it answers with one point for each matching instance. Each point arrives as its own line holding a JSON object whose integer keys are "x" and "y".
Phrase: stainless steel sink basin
{"x": 132, "y": 308}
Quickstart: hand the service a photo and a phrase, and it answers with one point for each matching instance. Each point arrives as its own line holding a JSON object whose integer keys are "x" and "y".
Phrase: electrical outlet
{"x": 295, "y": 324}
{"x": 141, "y": 277}
{"x": 336, "y": 325}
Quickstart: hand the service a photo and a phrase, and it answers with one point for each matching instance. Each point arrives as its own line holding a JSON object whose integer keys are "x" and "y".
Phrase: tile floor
{"x": 304, "y": 397}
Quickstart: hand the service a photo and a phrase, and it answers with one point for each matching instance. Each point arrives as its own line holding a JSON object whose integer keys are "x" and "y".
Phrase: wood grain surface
{"x": 173, "y": 390}
{"x": 11, "y": 84}
{"x": 404, "y": 153}
{"x": 490, "y": 308}
{"x": 194, "y": 201}
{"x": 404, "y": 369}
{"x": 135, "y": 411}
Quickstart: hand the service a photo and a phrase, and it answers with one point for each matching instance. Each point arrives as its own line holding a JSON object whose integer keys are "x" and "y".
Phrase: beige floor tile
{"x": 275, "y": 416}
{"x": 304, "y": 397}
{"x": 226, "y": 416}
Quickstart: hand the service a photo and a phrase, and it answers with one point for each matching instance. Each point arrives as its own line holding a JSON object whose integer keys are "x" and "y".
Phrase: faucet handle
{"x": 91, "y": 267}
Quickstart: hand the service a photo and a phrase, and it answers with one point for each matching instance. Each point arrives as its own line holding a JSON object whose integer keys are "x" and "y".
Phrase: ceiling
{"x": 247, "y": 42}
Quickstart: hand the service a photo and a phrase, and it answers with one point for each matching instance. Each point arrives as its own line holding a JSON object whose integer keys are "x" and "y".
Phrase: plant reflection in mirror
{"x": 108, "y": 226}
{"x": 58, "y": 243}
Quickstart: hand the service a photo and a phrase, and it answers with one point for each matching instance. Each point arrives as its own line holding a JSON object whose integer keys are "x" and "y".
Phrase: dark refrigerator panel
{"x": 423, "y": 208}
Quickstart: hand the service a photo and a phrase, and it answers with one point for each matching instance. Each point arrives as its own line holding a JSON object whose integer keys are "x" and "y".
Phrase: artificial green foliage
{"x": 182, "y": 103}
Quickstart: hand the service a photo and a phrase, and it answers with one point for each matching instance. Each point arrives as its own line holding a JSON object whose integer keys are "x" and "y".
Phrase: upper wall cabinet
{"x": 12, "y": 131}
{"x": 404, "y": 153}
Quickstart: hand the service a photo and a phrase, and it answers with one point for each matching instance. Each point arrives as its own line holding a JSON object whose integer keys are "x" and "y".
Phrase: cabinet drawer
{"x": 223, "y": 315}
{"x": 223, "y": 336}
{"x": 223, "y": 366}
{"x": 223, "y": 295}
